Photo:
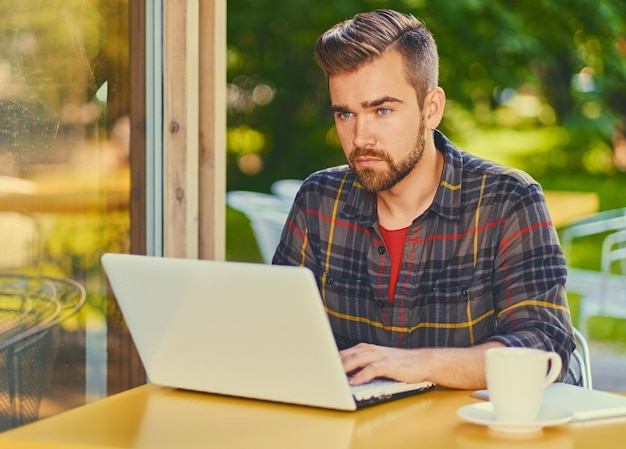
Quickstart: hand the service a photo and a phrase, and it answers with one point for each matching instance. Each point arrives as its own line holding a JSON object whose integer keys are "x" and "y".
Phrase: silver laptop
{"x": 240, "y": 329}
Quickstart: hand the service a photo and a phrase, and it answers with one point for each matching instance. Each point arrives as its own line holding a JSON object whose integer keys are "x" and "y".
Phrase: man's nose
{"x": 363, "y": 133}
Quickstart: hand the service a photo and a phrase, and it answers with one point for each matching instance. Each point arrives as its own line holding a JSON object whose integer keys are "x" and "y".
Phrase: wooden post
{"x": 212, "y": 157}
{"x": 195, "y": 128}
{"x": 180, "y": 120}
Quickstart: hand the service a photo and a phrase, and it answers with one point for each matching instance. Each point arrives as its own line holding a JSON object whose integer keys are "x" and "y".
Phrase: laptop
{"x": 584, "y": 403}
{"x": 240, "y": 329}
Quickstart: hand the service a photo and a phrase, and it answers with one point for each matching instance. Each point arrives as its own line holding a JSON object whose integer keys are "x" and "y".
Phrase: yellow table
{"x": 155, "y": 417}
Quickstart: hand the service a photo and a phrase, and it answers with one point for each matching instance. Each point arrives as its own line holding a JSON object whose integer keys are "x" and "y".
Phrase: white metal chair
{"x": 286, "y": 188}
{"x": 614, "y": 250}
{"x": 583, "y": 357}
{"x": 267, "y": 215}
{"x": 606, "y": 221}
{"x": 609, "y": 297}
{"x": 602, "y": 291}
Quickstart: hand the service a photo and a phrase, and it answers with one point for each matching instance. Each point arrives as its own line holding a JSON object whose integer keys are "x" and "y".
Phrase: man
{"x": 426, "y": 256}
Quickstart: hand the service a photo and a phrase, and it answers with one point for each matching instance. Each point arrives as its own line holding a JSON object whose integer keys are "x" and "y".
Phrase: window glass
{"x": 64, "y": 199}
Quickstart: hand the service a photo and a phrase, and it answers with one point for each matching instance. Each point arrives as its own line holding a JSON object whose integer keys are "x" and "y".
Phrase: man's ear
{"x": 434, "y": 104}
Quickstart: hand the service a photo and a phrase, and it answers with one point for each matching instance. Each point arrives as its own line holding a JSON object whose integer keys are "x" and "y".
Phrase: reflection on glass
{"x": 31, "y": 309}
{"x": 64, "y": 176}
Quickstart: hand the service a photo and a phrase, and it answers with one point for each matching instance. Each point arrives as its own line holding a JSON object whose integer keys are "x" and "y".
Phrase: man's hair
{"x": 354, "y": 42}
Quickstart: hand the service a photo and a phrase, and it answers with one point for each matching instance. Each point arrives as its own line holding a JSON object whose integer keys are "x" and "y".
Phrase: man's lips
{"x": 367, "y": 161}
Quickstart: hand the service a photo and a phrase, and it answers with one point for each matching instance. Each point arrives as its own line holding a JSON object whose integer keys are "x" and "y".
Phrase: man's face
{"x": 376, "y": 116}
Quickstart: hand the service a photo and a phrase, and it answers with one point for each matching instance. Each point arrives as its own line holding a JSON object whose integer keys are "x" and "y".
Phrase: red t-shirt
{"x": 394, "y": 239}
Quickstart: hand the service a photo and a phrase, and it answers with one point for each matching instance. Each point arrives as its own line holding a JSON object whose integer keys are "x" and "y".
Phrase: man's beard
{"x": 374, "y": 180}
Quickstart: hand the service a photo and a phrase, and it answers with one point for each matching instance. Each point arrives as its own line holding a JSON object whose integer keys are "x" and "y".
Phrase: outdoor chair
{"x": 601, "y": 290}
{"x": 31, "y": 307}
{"x": 608, "y": 298}
{"x": 286, "y": 188}
{"x": 267, "y": 214}
{"x": 601, "y": 222}
{"x": 582, "y": 355}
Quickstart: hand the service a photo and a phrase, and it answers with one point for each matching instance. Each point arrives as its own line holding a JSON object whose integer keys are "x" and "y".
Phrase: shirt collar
{"x": 447, "y": 201}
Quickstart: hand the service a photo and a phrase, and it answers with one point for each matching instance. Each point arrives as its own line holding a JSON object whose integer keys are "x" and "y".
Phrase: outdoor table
{"x": 154, "y": 417}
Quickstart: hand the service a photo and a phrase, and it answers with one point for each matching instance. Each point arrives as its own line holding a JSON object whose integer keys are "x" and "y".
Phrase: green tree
{"x": 572, "y": 54}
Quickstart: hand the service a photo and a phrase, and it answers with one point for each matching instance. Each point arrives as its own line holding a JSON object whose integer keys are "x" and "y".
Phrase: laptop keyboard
{"x": 372, "y": 385}
{"x": 385, "y": 388}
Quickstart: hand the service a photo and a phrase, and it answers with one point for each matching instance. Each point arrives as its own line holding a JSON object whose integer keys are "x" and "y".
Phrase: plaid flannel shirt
{"x": 483, "y": 263}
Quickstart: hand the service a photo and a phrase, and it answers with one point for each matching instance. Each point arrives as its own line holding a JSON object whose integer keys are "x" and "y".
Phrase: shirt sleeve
{"x": 529, "y": 281}
{"x": 294, "y": 247}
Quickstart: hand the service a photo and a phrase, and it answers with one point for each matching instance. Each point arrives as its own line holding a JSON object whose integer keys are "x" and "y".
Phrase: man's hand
{"x": 451, "y": 367}
{"x": 366, "y": 362}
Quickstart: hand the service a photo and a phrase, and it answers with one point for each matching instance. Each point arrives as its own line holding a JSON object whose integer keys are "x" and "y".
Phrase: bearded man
{"x": 425, "y": 256}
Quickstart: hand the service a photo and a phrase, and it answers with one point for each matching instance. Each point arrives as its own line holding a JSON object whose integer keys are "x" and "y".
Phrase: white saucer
{"x": 482, "y": 413}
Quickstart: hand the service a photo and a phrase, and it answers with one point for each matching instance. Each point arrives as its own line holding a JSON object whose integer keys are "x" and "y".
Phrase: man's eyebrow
{"x": 380, "y": 101}
{"x": 339, "y": 108}
{"x": 369, "y": 104}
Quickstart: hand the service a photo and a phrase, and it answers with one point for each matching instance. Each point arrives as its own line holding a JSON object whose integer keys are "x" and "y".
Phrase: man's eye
{"x": 384, "y": 111}
{"x": 344, "y": 115}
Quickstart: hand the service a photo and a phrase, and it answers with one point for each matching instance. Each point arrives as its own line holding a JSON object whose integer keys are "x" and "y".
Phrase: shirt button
{"x": 381, "y": 250}
{"x": 464, "y": 292}
{"x": 330, "y": 280}
{"x": 380, "y": 303}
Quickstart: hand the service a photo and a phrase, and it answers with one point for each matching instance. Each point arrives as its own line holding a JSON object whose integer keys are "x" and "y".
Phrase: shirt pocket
{"x": 347, "y": 302}
{"x": 464, "y": 314}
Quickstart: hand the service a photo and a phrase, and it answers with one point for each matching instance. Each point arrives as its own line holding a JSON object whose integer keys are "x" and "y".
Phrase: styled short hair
{"x": 354, "y": 42}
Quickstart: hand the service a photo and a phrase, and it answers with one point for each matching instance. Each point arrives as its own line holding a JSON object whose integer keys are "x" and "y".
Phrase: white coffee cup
{"x": 516, "y": 378}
